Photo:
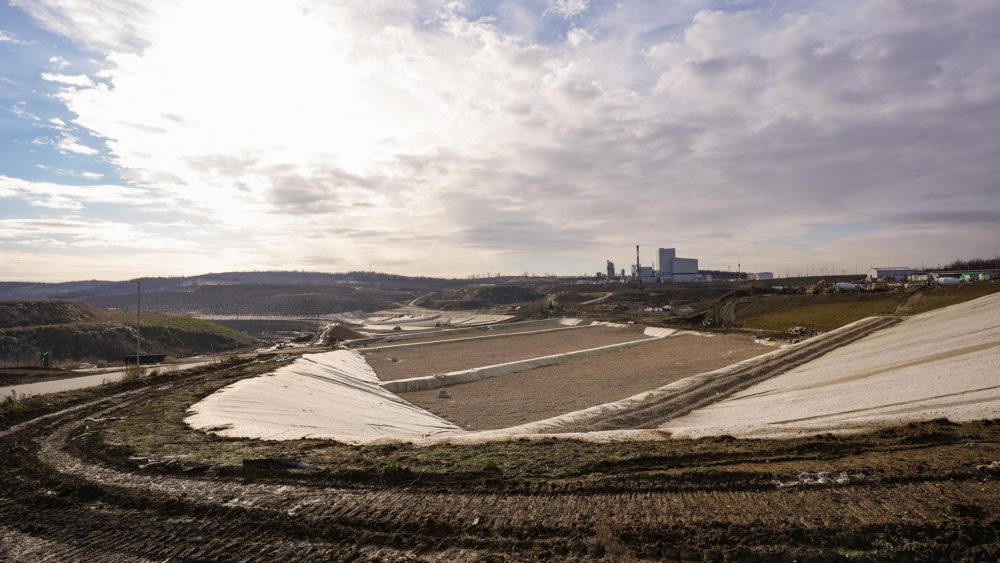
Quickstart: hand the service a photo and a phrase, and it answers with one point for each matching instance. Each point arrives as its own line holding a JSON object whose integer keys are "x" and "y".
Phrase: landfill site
{"x": 594, "y": 424}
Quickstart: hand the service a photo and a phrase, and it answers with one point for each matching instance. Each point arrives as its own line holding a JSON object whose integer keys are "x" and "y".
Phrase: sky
{"x": 144, "y": 137}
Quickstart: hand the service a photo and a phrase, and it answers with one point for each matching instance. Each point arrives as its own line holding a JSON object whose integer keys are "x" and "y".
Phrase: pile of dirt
{"x": 35, "y": 313}
{"x": 337, "y": 333}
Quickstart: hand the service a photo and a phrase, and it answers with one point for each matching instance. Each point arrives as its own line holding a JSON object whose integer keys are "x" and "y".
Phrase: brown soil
{"x": 416, "y": 361}
{"x": 340, "y": 332}
{"x": 500, "y": 402}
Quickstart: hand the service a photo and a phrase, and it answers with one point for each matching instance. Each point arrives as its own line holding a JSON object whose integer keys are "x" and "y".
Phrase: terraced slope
{"x": 68, "y": 495}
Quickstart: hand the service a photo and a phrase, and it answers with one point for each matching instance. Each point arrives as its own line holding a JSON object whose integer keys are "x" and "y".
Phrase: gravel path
{"x": 418, "y": 361}
{"x": 509, "y": 400}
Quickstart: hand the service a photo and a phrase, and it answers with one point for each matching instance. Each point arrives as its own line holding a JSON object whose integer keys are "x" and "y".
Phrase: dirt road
{"x": 915, "y": 494}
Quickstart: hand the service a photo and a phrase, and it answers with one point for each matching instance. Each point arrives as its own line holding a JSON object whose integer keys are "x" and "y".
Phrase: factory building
{"x": 763, "y": 276}
{"x": 673, "y": 268}
{"x": 645, "y": 274}
{"x": 895, "y": 273}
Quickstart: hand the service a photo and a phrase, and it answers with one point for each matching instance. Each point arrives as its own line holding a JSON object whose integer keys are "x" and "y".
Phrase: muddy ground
{"x": 416, "y": 361}
{"x": 519, "y": 398}
{"x": 120, "y": 478}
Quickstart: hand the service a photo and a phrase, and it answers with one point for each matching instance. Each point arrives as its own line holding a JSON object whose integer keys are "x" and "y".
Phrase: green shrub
{"x": 391, "y": 467}
{"x": 481, "y": 464}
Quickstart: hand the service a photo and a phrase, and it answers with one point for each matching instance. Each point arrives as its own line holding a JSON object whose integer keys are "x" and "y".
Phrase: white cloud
{"x": 567, "y": 8}
{"x": 59, "y": 62}
{"x": 92, "y": 175}
{"x": 79, "y": 233}
{"x": 8, "y": 37}
{"x": 380, "y": 132}
{"x": 38, "y": 193}
{"x": 18, "y": 110}
{"x": 70, "y": 144}
{"x": 578, "y": 36}
{"x": 71, "y": 79}
{"x": 103, "y": 25}
{"x": 58, "y": 124}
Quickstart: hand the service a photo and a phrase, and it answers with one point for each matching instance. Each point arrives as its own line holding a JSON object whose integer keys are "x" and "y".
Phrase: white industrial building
{"x": 895, "y": 273}
{"x": 763, "y": 276}
{"x": 673, "y": 268}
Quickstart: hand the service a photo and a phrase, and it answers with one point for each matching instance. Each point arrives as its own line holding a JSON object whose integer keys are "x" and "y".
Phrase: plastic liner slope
{"x": 333, "y": 395}
{"x": 944, "y": 363}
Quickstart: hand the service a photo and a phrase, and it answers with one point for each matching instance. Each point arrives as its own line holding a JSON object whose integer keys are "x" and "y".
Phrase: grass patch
{"x": 815, "y": 312}
{"x": 112, "y": 337}
{"x": 938, "y": 297}
{"x": 480, "y": 464}
{"x": 392, "y": 468}
{"x": 827, "y": 312}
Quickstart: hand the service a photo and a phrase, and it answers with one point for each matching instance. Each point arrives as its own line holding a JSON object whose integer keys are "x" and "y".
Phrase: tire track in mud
{"x": 60, "y": 501}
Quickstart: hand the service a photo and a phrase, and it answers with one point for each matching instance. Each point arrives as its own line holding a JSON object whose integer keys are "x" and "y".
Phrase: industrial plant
{"x": 671, "y": 269}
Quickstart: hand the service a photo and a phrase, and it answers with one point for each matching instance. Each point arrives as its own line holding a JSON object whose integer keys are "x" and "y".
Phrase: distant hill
{"x": 278, "y": 293}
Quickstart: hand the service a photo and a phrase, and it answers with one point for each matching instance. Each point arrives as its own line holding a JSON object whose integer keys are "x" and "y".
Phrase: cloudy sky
{"x": 449, "y": 138}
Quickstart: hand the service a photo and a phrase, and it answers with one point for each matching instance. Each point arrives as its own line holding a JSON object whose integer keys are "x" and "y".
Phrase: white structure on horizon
{"x": 896, "y": 273}
{"x": 673, "y": 268}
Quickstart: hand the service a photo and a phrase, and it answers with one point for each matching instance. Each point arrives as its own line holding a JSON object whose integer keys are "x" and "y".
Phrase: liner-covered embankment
{"x": 329, "y": 395}
{"x": 940, "y": 364}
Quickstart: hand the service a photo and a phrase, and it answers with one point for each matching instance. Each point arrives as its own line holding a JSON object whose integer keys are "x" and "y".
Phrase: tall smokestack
{"x": 637, "y": 266}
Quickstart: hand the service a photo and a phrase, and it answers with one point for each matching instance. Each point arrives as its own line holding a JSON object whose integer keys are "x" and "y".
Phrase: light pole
{"x": 138, "y": 311}
{"x": 237, "y": 338}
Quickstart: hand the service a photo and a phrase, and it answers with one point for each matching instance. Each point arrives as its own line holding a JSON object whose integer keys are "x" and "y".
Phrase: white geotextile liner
{"x": 944, "y": 363}
{"x": 334, "y": 395}
{"x": 659, "y": 332}
{"x": 425, "y": 332}
{"x": 486, "y": 336}
{"x": 387, "y": 321}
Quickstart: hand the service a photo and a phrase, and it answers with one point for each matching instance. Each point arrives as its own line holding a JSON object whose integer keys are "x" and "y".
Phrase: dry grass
{"x": 827, "y": 312}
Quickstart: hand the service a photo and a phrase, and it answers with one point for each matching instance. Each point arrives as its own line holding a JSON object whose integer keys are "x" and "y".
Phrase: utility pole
{"x": 237, "y": 338}
{"x": 138, "y": 312}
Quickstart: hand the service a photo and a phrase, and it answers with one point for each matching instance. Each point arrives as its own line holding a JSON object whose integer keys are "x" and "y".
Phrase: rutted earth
{"x": 926, "y": 492}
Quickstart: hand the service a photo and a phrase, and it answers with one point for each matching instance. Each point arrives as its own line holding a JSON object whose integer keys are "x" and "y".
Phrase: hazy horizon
{"x": 445, "y": 139}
